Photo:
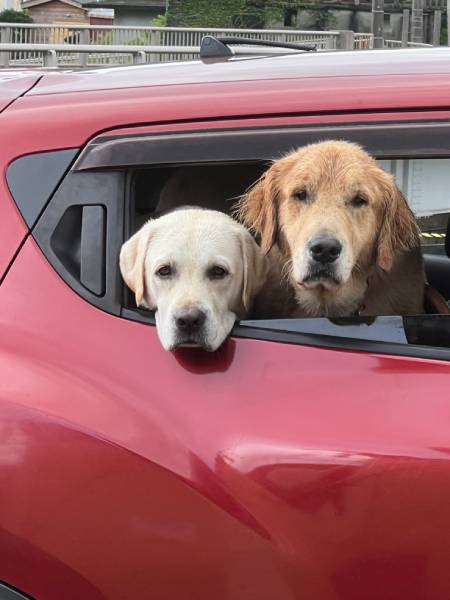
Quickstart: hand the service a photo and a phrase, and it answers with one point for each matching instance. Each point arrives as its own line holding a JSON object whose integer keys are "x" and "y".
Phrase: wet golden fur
{"x": 381, "y": 264}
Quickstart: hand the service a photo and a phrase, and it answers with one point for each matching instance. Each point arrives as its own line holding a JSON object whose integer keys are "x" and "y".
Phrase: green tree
{"x": 159, "y": 21}
{"x": 14, "y": 16}
{"x": 224, "y": 13}
{"x": 322, "y": 16}
{"x": 242, "y": 13}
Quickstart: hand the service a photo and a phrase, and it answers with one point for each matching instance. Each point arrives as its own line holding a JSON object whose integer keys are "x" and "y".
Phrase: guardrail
{"x": 32, "y": 33}
{"x": 27, "y": 44}
{"x": 67, "y": 55}
{"x": 182, "y": 40}
{"x": 399, "y": 44}
{"x": 363, "y": 41}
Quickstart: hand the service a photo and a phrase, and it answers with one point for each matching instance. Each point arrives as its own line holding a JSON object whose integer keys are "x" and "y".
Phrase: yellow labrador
{"x": 348, "y": 240}
{"x": 199, "y": 270}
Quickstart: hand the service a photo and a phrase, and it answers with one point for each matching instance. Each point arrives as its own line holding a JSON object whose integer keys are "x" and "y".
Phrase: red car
{"x": 307, "y": 458}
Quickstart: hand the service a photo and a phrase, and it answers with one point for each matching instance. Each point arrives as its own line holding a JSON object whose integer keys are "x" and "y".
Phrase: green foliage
{"x": 160, "y": 21}
{"x": 15, "y": 16}
{"x": 202, "y": 13}
{"x": 225, "y": 13}
{"x": 322, "y": 17}
{"x": 444, "y": 30}
{"x": 242, "y": 13}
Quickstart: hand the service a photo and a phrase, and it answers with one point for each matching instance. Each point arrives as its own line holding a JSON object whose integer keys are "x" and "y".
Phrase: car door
{"x": 304, "y": 459}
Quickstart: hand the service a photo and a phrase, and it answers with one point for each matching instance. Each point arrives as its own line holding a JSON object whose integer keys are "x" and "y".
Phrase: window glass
{"x": 426, "y": 185}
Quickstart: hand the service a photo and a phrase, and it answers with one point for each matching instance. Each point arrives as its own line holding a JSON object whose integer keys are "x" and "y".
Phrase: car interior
{"x": 155, "y": 191}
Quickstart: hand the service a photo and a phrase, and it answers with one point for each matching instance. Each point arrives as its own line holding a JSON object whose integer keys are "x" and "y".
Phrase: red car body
{"x": 267, "y": 470}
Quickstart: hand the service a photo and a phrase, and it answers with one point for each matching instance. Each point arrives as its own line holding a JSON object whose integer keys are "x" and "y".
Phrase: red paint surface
{"x": 13, "y": 84}
{"x": 12, "y": 228}
{"x": 265, "y": 471}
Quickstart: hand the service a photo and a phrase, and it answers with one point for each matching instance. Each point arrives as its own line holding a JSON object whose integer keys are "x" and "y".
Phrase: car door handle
{"x": 93, "y": 248}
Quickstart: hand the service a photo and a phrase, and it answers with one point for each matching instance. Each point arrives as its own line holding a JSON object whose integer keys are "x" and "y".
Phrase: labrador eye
{"x": 217, "y": 272}
{"x": 164, "y": 272}
{"x": 358, "y": 201}
{"x": 301, "y": 195}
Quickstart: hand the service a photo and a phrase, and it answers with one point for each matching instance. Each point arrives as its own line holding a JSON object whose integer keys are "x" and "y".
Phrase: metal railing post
{"x": 50, "y": 58}
{"x": 345, "y": 40}
{"x": 405, "y": 28}
{"x": 437, "y": 19}
{"x": 5, "y": 38}
{"x": 85, "y": 35}
{"x": 139, "y": 58}
{"x": 155, "y": 40}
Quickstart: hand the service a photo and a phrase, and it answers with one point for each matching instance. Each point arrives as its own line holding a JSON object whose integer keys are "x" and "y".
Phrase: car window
{"x": 118, "y": 182}
{"x": 425, "y": 183}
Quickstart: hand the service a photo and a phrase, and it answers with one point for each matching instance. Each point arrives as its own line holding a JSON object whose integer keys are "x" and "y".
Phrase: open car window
{"x": 119, "y": 182}
{"x": 425, "y": 183}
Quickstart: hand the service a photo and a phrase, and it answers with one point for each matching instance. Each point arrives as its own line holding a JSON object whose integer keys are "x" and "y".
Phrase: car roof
{"x": 420, "y": 61}
{"x": 13, "y": 84}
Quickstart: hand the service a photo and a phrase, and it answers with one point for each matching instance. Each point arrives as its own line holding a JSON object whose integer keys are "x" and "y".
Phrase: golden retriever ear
{"x": 258, "y": 209}
{"x": 255, "y": 267}
{"x": 132, "y": 260}
{"x": 399, "y": 231}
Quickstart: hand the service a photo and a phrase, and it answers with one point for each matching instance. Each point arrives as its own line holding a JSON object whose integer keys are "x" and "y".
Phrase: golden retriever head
{"x": 333, "y": 212}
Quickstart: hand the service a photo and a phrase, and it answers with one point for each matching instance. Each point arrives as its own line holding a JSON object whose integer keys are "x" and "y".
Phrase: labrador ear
{"x": 255, "y": 267}
{"x": 258, "y": 208}
{"x": 399, "y": 231}
{"x": 132, "y": 260}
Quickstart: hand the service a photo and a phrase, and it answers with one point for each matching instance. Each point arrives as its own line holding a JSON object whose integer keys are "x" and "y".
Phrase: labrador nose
{"x": 325, "y": 249}
{"x": 190, "y": 320}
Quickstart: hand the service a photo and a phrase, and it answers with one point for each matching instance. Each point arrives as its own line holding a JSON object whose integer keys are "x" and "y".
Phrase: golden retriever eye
{"x": 301, "y": 195}
{"x": 165, "y": 271}
{"x": 217, "y": 272}
{"x": 358, "y": 201}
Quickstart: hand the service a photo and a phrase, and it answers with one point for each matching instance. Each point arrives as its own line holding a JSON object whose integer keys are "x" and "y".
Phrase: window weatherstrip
{"x": 397, "y": 140}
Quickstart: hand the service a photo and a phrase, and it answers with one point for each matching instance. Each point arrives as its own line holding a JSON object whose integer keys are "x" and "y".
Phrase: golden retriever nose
{"x": 325, "y": 249}
{"x": 190, "y": 320}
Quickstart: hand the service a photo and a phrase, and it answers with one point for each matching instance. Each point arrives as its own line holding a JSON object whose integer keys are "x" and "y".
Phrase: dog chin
{"x": 312, "y": 282}
{"x": 190, "y": 344}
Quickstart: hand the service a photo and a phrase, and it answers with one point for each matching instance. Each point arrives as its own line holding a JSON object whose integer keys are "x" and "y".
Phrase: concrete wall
{"x": 360, "y": 21}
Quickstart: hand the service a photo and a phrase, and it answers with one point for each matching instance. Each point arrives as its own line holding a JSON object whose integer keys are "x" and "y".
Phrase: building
{"x": 130, "y": 12}
{"x": 58, "y": 12}
{"x": 9, "y": 5}
{"x": 356, "y": 15}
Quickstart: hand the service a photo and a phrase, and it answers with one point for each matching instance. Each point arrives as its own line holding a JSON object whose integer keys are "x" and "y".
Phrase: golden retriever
{"x": 199, "y": 270}
{"x": 348, "y": 240}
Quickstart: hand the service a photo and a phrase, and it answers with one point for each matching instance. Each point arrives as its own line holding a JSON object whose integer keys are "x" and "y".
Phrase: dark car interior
{"x": 155, "y": 191}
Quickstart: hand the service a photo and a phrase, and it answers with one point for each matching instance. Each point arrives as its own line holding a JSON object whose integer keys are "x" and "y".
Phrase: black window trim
{"x": 266, "y": 332}
{"x": 117, "y": 153}
{"x": 256, "y": 143}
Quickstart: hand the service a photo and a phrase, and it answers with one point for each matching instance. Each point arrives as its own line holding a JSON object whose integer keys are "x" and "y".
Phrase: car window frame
{"x": 123, "y": 153}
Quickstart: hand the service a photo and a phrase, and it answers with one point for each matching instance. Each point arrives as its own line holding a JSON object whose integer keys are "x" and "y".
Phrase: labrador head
{"x": 199, "y": 270}
{"x": 333, "y": 212}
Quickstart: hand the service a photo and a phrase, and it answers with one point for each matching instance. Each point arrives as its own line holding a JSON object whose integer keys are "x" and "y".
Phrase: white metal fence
{"x": 399, "y": 44}
{"x": 34, "y": 43}
{"x": 24, "y": 44}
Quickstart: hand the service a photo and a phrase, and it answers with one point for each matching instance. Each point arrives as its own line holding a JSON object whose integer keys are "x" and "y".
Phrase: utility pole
{"x": 378, "y": 22}
{"x": 417, "y": 21}
{"x": 405, "y": 28}
{"x": 448, "y": 22}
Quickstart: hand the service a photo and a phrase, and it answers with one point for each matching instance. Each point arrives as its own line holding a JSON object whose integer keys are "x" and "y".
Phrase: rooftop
{"x": 134, "y": 4}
